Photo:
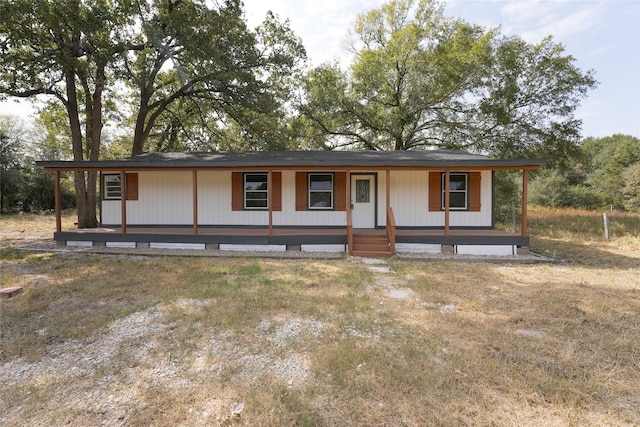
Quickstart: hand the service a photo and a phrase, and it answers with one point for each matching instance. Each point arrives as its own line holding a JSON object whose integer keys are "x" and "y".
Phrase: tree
{"x": 66, "y": 49}
{"x": 422, "y": 80}
{"x": 527, "y": 102}
{"x": 202, "y": 68}
{"x": 631, "y": 188}
{"x": 12, "y": 151}
{"x": 605, "y": 161}
{"x": 603, "y": 174}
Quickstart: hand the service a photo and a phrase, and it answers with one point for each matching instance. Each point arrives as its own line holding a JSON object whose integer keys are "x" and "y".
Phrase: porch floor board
{"x": 243, "y": 231}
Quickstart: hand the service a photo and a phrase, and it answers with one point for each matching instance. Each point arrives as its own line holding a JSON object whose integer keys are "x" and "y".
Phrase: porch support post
{"x": 525, "y": 184}
{"x": 446, "y": 202}
{"x": 388, "y": 189}
{"x": 349, "y": 221}
{"x": 270, "y": 201}
{"x": 123, "y": 202}
{"x": 58, "y": 204}
{"x": 195, "y": 201}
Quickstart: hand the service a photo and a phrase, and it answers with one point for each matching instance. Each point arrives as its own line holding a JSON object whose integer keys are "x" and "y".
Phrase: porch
{"x": 312, "y": 239}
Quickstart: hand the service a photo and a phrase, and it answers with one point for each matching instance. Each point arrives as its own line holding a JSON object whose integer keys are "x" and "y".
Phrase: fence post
{"x": 606, "y": 226}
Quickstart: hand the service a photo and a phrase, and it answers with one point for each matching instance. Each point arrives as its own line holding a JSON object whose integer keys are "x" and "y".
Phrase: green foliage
{"x": 191, "y": 91}
{"x": 631, "y": 188}
{"x": 604, "y": 174}
{"x": 420, "y": 80}
{"x": 12, "y": 152}
{"x": 22, "y": 185}
{"x": 508, "y": 185}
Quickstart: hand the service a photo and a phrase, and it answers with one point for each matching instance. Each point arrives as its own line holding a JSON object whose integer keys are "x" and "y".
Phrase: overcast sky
{"x": 603, "y": 35}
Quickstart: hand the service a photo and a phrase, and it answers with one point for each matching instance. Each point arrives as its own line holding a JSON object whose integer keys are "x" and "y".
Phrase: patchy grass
{"x": 177, "y": 341}
{"x": 578, "y": 236}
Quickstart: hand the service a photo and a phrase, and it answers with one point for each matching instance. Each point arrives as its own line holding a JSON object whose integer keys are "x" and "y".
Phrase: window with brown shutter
{"x": 324, "y": 193}
{"x": 248, "y": 191}
{"x": 464, "y": 191}
{"x": 111, "y": 189}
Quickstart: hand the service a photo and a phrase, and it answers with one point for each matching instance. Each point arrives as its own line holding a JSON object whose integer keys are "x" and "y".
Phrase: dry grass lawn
{"x": 165, "y": 341}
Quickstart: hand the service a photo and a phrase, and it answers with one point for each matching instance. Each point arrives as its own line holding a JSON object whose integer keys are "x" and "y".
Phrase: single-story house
{"x": 367, "y": 203}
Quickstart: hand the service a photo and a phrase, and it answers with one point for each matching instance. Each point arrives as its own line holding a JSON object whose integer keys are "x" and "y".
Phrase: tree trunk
{"x": 85, "y": 203}
{"x": 139, "y": 135}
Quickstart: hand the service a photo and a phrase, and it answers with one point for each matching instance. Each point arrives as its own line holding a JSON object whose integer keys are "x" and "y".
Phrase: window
{"x": 363, "y": 192}
{"x": 112, "y": 189}
{"x": 111, "y": 186}
{"x": 458, "y": 186}
{"x": 320, "y": 191}
{"x": 256, "y": 192}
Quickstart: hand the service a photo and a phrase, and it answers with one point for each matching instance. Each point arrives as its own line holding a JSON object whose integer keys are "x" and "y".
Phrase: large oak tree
{"x": 422, "y": 80}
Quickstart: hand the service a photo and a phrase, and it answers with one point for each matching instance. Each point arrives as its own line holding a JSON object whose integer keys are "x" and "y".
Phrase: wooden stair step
{"x": 371, "y": 239}
{"x": 371, "y": 247}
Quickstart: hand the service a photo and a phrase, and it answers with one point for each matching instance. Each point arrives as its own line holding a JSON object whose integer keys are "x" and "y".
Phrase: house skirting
{"x": 460, "y": 241}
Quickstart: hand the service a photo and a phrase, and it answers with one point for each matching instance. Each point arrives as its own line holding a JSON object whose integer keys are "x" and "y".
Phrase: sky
{"x": 602, "y": 35}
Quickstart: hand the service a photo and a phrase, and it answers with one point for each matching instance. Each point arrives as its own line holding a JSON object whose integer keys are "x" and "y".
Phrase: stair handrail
{"x": 391, "y": 230}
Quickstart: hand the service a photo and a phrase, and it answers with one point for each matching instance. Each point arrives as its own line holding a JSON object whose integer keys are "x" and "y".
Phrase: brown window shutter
{"x": 474, "y": 191}
{"x": 132, "y": 186}
{"x": 237, "y": 191}
{"x": 276, "y": 191}
{"x": 340, "y": 191}
{"x": 435, "y": 191}
{"x": 301, "y": 191}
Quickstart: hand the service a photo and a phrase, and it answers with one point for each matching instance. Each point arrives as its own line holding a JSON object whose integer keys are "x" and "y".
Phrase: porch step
{"x": 371, "y": 245}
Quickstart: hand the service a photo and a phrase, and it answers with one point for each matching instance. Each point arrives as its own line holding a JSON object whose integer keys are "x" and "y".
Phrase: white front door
{"x": 363, "y": 201}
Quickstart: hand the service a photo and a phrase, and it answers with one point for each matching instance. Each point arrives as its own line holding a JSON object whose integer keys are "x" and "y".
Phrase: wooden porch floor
{"x": 298, "y": 231}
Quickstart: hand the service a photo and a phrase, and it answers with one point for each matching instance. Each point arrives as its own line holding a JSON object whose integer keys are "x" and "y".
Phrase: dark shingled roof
{"x": 267, "y": 159}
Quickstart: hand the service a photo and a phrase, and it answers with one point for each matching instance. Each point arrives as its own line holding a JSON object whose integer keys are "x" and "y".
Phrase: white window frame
{"x": 464, "y": 191}
{"x": 112, "y": 191}
{"x": 247, "y": 191}
{"x": 310, "y": 191}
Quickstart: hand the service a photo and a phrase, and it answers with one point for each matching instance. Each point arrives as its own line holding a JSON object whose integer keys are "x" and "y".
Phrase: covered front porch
{"x": 363, "y": 203}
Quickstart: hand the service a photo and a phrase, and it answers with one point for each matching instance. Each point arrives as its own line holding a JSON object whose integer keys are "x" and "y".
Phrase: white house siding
{"x": 289, "y": 215}
{"x": 409, "y": 199}
{"x": 166, "y": 198}
{"x": 410, "y": 202}
{"x": 214, "y": 202}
